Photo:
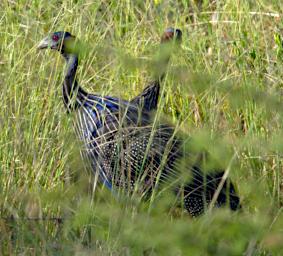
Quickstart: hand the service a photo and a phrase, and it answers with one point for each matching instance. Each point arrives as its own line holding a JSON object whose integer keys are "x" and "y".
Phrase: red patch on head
{"x": 167, "y": 36}
{"x": 55, "y": 38}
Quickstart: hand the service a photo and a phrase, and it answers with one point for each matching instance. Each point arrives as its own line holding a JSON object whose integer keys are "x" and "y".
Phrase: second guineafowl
{"x": 148, "y": 98}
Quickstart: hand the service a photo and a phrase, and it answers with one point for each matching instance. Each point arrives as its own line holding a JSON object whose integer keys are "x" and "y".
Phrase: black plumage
{"x": 122, "y": 145}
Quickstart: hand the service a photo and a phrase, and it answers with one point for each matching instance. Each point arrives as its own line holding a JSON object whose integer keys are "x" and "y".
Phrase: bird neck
{"x": 163, "y": 60}
{"x": 71, "y": 89}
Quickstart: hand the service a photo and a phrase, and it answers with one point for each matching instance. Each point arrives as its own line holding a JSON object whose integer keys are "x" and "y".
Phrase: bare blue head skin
{"x": 64, "y": 43}
{"x": 56, "y": 41}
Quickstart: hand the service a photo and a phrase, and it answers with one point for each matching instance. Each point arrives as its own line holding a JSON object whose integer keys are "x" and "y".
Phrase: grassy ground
{"x": 224, "y": 89}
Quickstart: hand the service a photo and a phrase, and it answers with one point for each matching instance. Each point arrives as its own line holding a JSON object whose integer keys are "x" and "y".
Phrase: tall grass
{"x": 223, "y": 89}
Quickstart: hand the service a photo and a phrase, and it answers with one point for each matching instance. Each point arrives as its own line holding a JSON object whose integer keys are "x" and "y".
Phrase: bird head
{"x": 171, "y": 34}
{"x": 60, "y": 41}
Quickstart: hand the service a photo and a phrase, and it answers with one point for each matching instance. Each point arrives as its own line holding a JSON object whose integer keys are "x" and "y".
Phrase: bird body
{"x": 120, "y": 142}
{"x": 112, "y": 130}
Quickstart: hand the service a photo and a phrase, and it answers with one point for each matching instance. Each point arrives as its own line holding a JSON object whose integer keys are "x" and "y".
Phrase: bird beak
{"x": 44, "y": 43}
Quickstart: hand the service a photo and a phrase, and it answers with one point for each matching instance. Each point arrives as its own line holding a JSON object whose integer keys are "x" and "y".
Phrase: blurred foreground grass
{"x": 224, "y": 89}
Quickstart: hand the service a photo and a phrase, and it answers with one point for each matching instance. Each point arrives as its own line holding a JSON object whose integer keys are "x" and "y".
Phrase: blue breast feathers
{"x": 103, "y": 114}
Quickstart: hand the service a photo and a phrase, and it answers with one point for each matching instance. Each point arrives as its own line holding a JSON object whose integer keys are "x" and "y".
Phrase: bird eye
{"x": 55, "y": 38}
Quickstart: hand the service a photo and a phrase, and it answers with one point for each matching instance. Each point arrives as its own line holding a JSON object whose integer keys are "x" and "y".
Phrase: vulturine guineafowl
{"x": 122, "y": 145}
{"x": 148, "y": 98}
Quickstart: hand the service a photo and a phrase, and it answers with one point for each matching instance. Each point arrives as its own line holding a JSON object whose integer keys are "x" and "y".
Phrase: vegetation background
{"x": 223, "y": 88}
